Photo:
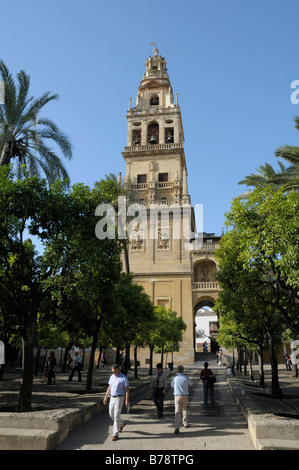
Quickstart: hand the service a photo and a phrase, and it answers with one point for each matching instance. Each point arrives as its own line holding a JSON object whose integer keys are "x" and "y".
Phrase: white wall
{"x": 202, "y": 319}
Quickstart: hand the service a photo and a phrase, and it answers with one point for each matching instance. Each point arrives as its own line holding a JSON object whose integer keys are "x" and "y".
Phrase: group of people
{"x": 50, "y": 368}
{"x": 119, "y": 392}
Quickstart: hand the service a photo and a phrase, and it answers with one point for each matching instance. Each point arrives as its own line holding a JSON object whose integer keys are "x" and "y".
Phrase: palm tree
{"x": 267, "y": 176}
{"x": 287, "y": 177}
{"x": 291, "y": 155}
{"x": 24, "y": 134}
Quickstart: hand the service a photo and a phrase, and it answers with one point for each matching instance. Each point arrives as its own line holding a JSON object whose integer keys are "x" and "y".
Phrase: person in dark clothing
{"x": 159, "y": 387}
{"x": 51, "y": 368}
{"x": 207, "y": 385}
{"x": 76, "y": 367}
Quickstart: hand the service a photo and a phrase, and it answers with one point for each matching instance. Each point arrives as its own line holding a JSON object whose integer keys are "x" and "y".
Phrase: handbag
{"x": 211, "y": 378}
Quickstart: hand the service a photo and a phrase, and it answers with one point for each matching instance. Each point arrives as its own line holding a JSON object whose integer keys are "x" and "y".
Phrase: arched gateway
{"x": 173, "y": 269}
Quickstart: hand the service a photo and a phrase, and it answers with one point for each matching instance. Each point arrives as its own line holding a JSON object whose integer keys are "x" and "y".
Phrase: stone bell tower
{"x": 154, "y": 154}
{"x": 156, "y": 172}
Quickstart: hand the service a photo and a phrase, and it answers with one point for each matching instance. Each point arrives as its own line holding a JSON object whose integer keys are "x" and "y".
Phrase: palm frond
{"x": 23, "y": 133}
{"x": 289, "y": 153}
{"x": 10, "y": 92}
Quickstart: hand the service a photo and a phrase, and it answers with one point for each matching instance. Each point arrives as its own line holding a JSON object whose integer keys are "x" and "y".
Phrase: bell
{"x": 153, "y": 140}
{"x": 136, "y": 142}
{"x": 169, "y": 139}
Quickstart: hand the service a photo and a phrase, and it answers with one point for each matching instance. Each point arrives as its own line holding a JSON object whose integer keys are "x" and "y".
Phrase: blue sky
{"x": 231, "y": 62}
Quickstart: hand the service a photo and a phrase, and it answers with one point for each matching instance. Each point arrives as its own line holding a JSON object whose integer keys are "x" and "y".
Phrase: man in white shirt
{"x": 181, "y": 383}
{"x": 119, "y": 391}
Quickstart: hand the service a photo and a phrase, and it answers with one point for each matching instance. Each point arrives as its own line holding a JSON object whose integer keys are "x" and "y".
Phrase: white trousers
{"x": 181, "y": 410}
{"x": 115, "y": 407}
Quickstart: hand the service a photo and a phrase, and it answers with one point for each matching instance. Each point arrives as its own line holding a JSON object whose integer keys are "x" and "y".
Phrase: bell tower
{"x": 154, "y": 154}
{"x": 156, "y": 172}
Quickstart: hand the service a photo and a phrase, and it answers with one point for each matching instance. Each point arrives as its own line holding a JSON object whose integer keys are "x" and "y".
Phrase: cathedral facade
{"x": 174, "y": 264}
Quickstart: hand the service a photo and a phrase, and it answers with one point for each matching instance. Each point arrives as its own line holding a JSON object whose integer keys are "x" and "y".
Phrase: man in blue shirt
{"x": 118, "y": 389}
{"x": 181, "y": 383}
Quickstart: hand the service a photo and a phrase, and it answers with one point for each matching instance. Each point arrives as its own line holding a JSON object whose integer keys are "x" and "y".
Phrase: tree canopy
{"x": 258, "y": 263}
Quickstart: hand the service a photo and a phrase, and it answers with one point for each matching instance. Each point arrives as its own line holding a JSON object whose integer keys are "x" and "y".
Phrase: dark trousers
{"x": 75, "y": 369}
{"x": 50, "y": 375}
{"x": 158, "y": 399}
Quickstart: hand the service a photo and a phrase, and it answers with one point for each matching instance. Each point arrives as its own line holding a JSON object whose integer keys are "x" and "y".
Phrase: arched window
{"x": 169, "y": 133}
{"x": 153, "y": 133}
{"x": 136, "y": 137}
{"x": 154, "y": 100}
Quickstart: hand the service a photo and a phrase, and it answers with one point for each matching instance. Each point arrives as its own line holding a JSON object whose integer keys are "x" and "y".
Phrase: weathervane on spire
{"x": 155, "y": 50}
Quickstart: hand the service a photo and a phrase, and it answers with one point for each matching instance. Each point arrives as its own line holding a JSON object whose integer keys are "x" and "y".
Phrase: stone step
{"x": 45, "y": 430}
{"x": 278, "y": 444}
{"x": 27, "y": 439}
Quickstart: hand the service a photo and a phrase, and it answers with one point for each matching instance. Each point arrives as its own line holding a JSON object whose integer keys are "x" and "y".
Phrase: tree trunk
{"x": 126, "y": 256}
{"x": 5, "y": 157}
{"x": 234, "y": 365}
{"x": 135, "y": 361}
{"x": 276, "y": 390}
{"x": 261, "y": 367}
{"x": 117, "y": 355}
{"x": 36, "y": 369}
{"x": 245, "y": 360}
{"x": 88, "y": 388}
{"x": 239, "y": 366}
{"x": 66, "y": 352}
{"x": 251, "y": 376}
{"x": 127, "y": 358}
{"x": 83, "y": 359}
{"x": 162, "y": 355}
{"x": 25, "y": 396}
{"x": 150, "y": 372}
{"x": 99, "y": 358}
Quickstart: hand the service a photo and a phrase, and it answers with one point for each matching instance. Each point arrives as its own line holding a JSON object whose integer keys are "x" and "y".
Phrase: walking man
{"x": 76, "y": 367}
{"x": 159, "y": 386}
{"x": 181, "y": 383}
{"x": 208, "y": 385}
{"x": 119, "y": 391}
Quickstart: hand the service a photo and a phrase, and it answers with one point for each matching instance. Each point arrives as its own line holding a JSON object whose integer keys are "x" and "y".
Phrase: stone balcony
{"x": 204, "y": 247}
{"x": 143, "y": 186}
{"x": 143, "y": 148}
{"x": 204, "y": 286}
